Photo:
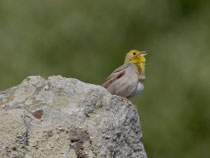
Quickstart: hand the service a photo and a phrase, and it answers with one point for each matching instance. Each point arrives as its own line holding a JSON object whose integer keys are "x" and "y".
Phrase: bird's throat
{"x": 141, "y": 69}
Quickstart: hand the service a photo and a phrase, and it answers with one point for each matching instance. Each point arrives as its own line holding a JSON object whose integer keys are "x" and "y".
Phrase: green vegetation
{"x": 89, "y": 39}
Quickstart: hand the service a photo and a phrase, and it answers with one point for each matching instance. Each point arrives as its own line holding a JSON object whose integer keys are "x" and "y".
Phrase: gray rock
{"x": 66, "y": 118}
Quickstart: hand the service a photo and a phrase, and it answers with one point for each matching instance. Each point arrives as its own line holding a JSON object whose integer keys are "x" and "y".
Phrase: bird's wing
{"x": 116, "y": 74}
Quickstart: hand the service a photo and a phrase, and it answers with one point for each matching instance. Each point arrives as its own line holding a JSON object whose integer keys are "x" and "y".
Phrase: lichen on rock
{"x": 64, "y": 117}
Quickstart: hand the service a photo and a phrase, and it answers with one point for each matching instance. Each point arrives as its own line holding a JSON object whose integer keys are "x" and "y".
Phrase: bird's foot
{"x": 126, "y": 99}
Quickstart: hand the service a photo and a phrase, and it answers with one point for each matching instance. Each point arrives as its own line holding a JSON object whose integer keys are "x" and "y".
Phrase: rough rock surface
{"x": 66, "y": 118}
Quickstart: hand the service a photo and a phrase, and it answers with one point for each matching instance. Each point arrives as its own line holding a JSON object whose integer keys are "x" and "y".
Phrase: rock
{"x": 66, "y": 118}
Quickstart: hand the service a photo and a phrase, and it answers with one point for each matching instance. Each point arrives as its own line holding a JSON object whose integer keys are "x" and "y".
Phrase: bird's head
{"x": 135, "y": 57}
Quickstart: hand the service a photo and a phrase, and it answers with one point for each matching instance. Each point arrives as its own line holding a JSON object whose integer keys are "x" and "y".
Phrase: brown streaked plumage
{"x": 116, "y": 74}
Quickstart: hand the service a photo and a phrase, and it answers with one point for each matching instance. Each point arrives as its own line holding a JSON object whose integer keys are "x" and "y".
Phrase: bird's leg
{"x": 134, "y": 105}
{"x": 126, "y": 99}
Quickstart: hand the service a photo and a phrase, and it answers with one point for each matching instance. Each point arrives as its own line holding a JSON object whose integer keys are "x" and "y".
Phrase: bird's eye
{"x": 134, "y": 53}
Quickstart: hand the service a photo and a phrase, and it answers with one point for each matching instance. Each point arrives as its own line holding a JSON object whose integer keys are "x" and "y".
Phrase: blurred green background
{"x": 89, "y": 39}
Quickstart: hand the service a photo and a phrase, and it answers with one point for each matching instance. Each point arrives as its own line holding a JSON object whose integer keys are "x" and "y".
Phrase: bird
{"x": 127, "y": 80}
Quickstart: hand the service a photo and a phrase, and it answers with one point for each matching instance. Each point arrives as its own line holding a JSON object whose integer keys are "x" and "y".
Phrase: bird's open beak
{"x": 143, "y": 53}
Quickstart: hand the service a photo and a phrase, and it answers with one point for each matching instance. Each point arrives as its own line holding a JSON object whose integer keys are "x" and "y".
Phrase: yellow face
{"x": 135, "y": 56}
